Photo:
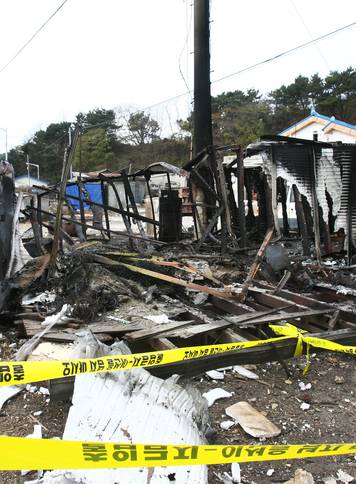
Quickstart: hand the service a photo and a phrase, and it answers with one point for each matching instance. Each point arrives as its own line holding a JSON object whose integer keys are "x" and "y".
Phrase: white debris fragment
{"x": 305, "y": 406}
{"x": 227, "y": 424}
{"x": 304, "y": 386}
{"x": 252, "y": 421}
{"x": 244, "y": 372}
{"x": 343, "y": 477}
{"x": 215, "y": 375}
{"x": 330, "y": 480}
{"x": 236, "y": 472}
{"x": 216, "y": 394}
{"x": 27, "y": 348}
{"x": 158, "y": 318}
{"x": 8, "y": 392}
{"x": 31, "y": 388}
{"x": 46, "y": 296}
{"x": 120, "y": 320}
{"x": 301, "y": 477}
{"x": 127, "y": 407}
{"x": 234, "y": 477}
{"x": 270, "y": 472}
{"x": 44, "y": 391}
{"x": 305, "y": 427}
{"x": 200, "y": 298}
{"x": 56, "y": 318}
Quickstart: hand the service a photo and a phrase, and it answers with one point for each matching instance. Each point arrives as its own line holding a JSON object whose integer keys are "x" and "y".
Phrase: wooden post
{"x": 301, "y": 221}
{"x": 315, "y": 209}
{"x": 283, "y": 193}
{"x": 273, "y": 193}
{"x": 255, "y": 265}
{"x": 250, "y": 219}
{"x": 61, "y": 197}
{"x": 81, "y": 204}
{"x": 147, "y": 178}
{"x": 105, "y": 203}
{"x": 241, "y": 199}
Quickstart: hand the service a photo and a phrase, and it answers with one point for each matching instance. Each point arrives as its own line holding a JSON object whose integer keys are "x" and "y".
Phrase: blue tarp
{"x": 94, "y": 190}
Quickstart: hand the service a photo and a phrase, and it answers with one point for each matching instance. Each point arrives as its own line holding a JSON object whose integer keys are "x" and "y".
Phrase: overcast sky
{"x": 111, "y": 53}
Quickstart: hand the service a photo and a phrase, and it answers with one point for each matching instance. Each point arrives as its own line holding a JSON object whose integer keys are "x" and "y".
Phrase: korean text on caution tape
{"x": 20, "y": 372}
{"x": 21, "y": 453}
{"x": 294, "y": 332}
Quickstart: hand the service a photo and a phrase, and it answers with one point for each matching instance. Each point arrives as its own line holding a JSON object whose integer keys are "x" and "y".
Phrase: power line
{"x": 309, "y": 33}
{"x": 287, "y": 52}
{"x": 32, "y": 37}
{"x": 253, "y": 66}
{"x": 185, "y": 46}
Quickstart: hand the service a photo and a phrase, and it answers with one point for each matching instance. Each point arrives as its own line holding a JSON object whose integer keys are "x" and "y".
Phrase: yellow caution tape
{"x": 21, "y": 453}
{"x": 294, "y": 332}
{"x": 20, "y": 372}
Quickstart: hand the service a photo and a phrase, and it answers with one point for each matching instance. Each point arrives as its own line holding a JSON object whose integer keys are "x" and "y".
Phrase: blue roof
{"x": 331, "y": 120}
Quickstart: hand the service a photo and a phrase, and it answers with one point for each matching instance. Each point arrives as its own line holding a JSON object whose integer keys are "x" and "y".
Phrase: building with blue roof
{"x": 321, "y": 127}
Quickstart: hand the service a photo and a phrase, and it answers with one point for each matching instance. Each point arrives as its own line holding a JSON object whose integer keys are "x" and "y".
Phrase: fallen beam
{"x": 283, "y": 349}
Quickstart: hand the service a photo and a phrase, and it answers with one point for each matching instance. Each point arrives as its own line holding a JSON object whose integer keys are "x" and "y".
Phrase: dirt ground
{"x": 330, "y": 418}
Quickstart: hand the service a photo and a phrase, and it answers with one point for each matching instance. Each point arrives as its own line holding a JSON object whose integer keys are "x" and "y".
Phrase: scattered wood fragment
{"x": 255, "y": 265}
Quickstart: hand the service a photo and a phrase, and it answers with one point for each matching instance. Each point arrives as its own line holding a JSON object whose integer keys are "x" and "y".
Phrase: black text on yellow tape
{"x": 294, "y": 332}
{"x": 19, "y": 372}
{"x": 21, "y": 453}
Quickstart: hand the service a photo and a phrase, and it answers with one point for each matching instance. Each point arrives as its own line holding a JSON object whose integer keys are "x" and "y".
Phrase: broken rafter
{"x": 115, "y": 232}
{"x": 221, "y": 293}
{"x": 255, "y": 265}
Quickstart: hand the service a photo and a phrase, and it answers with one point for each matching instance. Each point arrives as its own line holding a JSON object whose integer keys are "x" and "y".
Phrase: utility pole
{"x": 202, "y": 130}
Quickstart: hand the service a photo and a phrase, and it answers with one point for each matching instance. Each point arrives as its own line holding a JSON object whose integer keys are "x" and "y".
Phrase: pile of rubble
{"x": 84, "y": 296}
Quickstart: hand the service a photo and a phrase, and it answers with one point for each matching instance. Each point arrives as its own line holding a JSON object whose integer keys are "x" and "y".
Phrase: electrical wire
{"x": 258, "y": 64}
{"x": 185, "y": 45}
{"x": 287, "y": 52}
{"x": 32, "y": 37}
{"x": 309, "y": 33}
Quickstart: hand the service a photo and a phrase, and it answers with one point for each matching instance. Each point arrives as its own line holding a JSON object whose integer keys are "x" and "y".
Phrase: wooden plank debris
{"x": 255, "y": 265}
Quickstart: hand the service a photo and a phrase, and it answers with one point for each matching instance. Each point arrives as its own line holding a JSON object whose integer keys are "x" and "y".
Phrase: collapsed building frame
{"x": 322, "y": 177}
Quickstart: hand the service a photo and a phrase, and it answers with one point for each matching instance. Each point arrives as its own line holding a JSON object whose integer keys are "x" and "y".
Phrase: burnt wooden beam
{"x": 301, "y": 218}
{"x": 115, "y": 232}
{"x": 255, "y": 265}
{"x": 307, "y": 301}
{"x": 283, "y": 193}
{"x": 283, "y": 349}
{"x": 241, "y": 199}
